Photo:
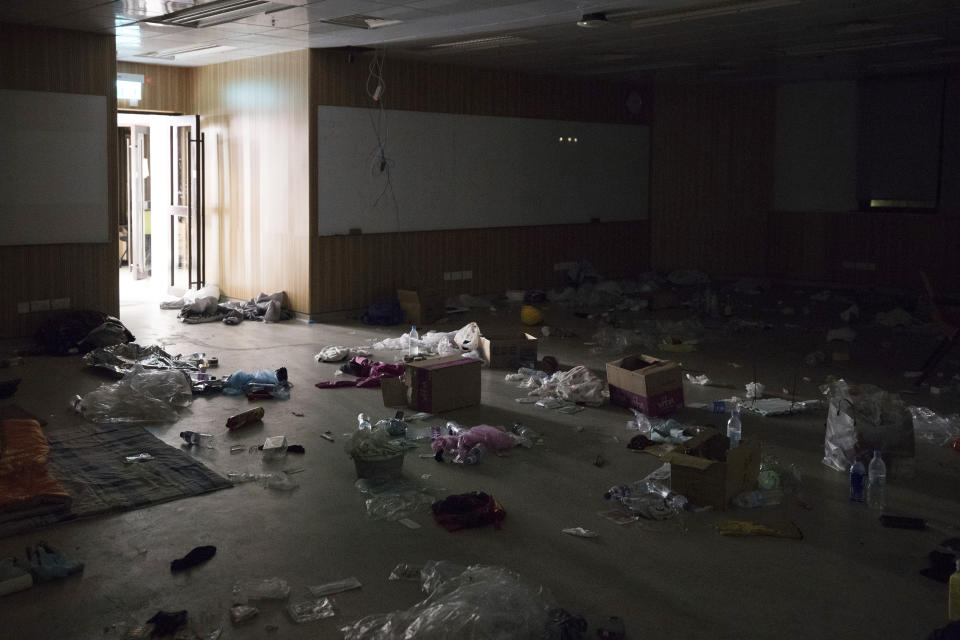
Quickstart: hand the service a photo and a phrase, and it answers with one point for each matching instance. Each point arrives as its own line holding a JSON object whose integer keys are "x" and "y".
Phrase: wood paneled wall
{"x": 166, "y": 89}
{"x": 867, "y": 248}
{"x": 55, "y": 60}
{"x": 349, "y": 272}
{"x": 255, "y": 116}
{"x": 711, "y": 183}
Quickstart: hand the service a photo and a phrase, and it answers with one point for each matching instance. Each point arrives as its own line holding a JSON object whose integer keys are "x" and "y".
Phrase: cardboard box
{"x": 509, "y": 350}
{"x": 649, "y": 385}
{"x": 435, "y": 385}
{"x": 421, "y": 306}
{"x": 707, "y": 471}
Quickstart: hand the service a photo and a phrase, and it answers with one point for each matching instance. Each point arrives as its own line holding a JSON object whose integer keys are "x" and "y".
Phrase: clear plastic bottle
{"x": 857, "y": 481}
{"x": 758, "y": 498}
{"x": 476, "y": 454}
{"x": 413, "y": 346}
{"x": 363, "y": 422}
{"x": 526, "y": 437}
{"x": 734, "y": 427}
{"x": 454, "y": 429}
{"x": 953, "y": 601}
{"x": 876, "y": 482}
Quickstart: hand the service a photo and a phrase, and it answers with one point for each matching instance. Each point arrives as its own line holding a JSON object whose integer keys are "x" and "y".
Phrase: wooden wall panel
{"x": 868, "y": 249}
{"x": 254, "y": 114}
{"x": 421, "y": 86}
{"x": 349, "y": 272}
{"x": 37, "y": 59}
{"x": 166, "y": 89}
{"x": 711, "y": 183}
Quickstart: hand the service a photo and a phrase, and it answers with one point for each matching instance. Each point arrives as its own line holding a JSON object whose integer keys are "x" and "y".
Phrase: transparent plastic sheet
{"x": 264, "y": 589}
{"x": 405, "y": 571}
{"x": 142, "y": 396}
{"x": 121, "y": 358}
{"x": 863, "y": 418}
{"x": 337, "y": 586}
{"x": 311, "y": 610}
{"x": 479, "y": 602}
{"x": 579, "y": 384}
{"x": 279, "y": 481}
{"x": 393, "y": 498}
{"x": 611, "y": 340}
{"x": 932, "y": 427}
{"x": 467, "y": 338}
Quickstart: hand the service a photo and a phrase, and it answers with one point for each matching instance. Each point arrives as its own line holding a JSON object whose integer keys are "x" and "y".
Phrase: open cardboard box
{"x": 707, "y": 471}
{"x": 650, "y": 385}
{"x": 421, "y": 306}
{"x": 509, "y": 350}
{"x": 435, "y": 384}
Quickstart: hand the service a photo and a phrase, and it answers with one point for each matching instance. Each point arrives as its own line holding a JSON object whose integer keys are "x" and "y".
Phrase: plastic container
{"x": 363, "y": 422}
{"x": 758, "y": 498}
{"x": 734, "y": 427}
{"x": 876, "y": 482}
{"x": 245, "y": 418}
{"x": 953, "y": 602}
{"x": 413, "y": 346}
{"x": 476, "y": 454}
{"x": 857, "y": 482}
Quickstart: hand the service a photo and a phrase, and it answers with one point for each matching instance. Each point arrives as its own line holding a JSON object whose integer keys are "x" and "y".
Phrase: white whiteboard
{"x": 447, "y": 171}
{"x": 53, "y": 177}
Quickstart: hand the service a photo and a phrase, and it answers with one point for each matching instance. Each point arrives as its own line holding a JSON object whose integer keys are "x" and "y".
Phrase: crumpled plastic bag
{"x": 932, "y": 427}
{"x": 141, "y": 396}
{"x": 861, "y": 419}
{"x": 579, "y": 384}
{"x": 191, "y": 296}
{"x": 467, "y": 338}
{"x": 486, "y": 602}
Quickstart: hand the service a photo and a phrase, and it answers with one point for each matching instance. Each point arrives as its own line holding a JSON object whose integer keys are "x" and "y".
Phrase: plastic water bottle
{"x": 734, "y": 427}
{"x": 413, "y": 348}
{"x": 363, "y": 422}
{"x": 454, "y": 429}
{"x": 857, "y": 481}
{"x": 876, "y": 482}
{"x": 475, "y": 454}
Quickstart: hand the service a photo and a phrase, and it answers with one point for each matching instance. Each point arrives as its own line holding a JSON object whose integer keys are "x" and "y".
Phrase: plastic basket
{"x": 378, "y": 467}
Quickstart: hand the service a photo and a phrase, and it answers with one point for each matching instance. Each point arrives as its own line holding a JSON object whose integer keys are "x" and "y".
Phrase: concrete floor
{"x": 848, "y": 578}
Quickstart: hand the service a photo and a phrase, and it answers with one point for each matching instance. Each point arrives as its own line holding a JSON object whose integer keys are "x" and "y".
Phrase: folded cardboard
{"x": 707, "y": 471}
{"x": 509, "y": 350}
{"x": 649, "y": 385}
{"x": 421, "y": 306}
{"x": 435, "y": 385}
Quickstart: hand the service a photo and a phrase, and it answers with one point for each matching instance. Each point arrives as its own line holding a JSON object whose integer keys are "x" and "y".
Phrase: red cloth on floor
{"x": 369, "y": 374}
{"x": 466, "y": 510}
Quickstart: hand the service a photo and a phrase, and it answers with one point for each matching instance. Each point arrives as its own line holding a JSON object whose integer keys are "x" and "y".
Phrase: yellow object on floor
{"x": 786, "y": 529}
{"x": 530, "y": 316}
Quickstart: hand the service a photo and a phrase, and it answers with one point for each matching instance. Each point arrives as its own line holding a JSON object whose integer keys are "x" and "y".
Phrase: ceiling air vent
{"x": 358, "y": 21}
{"x": 217, "y": 12}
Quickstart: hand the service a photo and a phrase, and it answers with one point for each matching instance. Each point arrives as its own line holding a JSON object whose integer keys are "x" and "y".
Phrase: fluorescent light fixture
{"x": 187, "y": 52}
{"x": 217, "y": 12}
{"x": 712, "y": 10}
{"x": 475, "y": 44}
{"x": 846, "y": 46}
{"x": 130, "y": 87}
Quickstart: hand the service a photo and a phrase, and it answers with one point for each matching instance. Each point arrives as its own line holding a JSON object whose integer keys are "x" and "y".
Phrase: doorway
{"x": 162, "y": 215}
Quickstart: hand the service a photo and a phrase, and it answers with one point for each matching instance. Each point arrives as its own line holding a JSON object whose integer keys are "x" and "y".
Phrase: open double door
{"x": 165, "y": 231}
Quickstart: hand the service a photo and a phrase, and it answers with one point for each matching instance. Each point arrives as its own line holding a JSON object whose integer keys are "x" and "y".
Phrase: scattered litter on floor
{"x": 167, "y": 623}
{"x": 251, "y": 416}
{"x": 754, "y": 390}
{"x": 475, "y": 602}
{"x": 748, "y": 528}
{"x": 934, "y": 428}
{"x": 700, "y": 380}
{"x": 468, "y": 510}
{"x": 404, "y": 571}
{"x": 196, "y": 557}
{"x": 580, "y": 532}
{"x": 261, "y": 384}
{"x": 261, "y": 589}
{"x": 142, "y": 396}
{"x": 240, "y": 613}
{"x": 368, "y": 374}
{"x": 779, "y": 406}
{"x": 311, "y": 610}
{"x": 279, "y": 481}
